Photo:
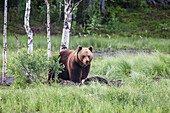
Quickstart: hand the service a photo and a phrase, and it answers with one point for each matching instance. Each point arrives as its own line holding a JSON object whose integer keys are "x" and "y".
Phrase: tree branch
{"x": 74, "y": 6}
{"x": 27, "y": 72}
{"x": 65, "y": 2}
{"x": 60, "y": 3}
{"x": 18, "y": 43}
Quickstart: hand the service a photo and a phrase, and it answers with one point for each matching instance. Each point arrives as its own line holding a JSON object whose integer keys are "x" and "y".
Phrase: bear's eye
{"x": 89, "y": 57}
{"x": 83, "y": 56}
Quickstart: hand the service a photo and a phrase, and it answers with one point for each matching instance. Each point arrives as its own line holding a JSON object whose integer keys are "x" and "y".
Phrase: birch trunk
{"x": 27, "y": 27}
{"x": 48, "y": 29}
{"x": 67, "y": 25}
{"x": 68, "y": 12}
{"x": 5, "y": 43}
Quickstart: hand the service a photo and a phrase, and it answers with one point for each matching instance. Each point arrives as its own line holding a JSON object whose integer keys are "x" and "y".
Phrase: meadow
{"x": 145, "y": 77}
{"x": 102, "y": 42}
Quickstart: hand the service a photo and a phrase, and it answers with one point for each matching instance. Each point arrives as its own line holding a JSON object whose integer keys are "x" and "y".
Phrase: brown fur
{"x": 77, "y": 64}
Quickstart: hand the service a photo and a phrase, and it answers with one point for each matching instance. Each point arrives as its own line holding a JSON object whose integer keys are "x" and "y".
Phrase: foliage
{"x": 53, "y": 13}
{"x": 164, "y": 27}
{"x": 119, "y": 17}
{"x": 73, "y": 21}
{"x": 94, "y": 26}
{"x": 23, "y": 63}
{"x": 133, "y": 4}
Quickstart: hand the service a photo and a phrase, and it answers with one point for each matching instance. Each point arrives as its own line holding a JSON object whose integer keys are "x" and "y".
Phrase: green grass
{"x": 149, "y": 97}
{"x": 98, "y": 42}
{"x": 140, "y": 93}
{"x": 126, "y": 65}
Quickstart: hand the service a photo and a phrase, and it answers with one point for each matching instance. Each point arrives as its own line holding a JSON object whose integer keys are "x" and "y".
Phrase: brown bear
{"x": 77, "y": 64}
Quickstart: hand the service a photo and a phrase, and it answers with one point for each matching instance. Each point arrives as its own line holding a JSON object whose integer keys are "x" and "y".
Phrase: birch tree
{"x": 68, "y": 12}
{"x": 27, "y": 27}
{"x": 48, "y": 29}
{"x": 5, "y": 43}
{"x": 29, "y": 33}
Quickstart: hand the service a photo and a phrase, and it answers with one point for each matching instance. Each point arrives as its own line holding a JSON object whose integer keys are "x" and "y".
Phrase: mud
{"x": 100, "y": 54}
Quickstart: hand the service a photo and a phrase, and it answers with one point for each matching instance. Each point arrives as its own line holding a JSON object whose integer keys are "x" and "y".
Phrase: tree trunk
{"x": 5, "y": 43}
{"x": 48, "y": 29}
{"x": 29, "y": 33}
{"x": 102, "y": 5}
{"x": 27, "y": 27}
{"x": 67, "y": 25}
{"x": 68, "y": 12}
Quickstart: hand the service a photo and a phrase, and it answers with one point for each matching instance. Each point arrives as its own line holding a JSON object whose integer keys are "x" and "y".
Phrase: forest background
{"x": 145, "y": 18}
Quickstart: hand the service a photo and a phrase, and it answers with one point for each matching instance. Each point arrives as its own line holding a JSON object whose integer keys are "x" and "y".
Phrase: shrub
{"x": 28, "y": 68}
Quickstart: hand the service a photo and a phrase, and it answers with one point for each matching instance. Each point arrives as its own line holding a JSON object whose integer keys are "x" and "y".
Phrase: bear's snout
{"x": 87, "y": 61}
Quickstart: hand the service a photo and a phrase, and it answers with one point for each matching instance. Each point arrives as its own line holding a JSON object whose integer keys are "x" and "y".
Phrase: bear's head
{"x": 85, "y": 55}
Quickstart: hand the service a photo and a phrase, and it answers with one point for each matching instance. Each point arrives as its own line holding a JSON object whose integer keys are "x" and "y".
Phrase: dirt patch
{"x": 99, "y": 53}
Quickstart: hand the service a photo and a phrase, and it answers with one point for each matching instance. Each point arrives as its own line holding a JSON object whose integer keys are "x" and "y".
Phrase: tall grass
{"x": 39, "y": 41}
{"x": 125, "y": 65}
{"x": 98, "y": 42}
{"x": 140, "y": 93}
{"x": 144, "y": 95}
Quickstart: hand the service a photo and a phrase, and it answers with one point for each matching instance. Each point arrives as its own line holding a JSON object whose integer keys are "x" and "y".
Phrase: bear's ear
{"x": 79, "y": 48}
{"x": 91, "y": 48}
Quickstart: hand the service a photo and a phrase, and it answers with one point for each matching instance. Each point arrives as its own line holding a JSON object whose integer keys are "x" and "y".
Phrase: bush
{"x": 28, "y": 68}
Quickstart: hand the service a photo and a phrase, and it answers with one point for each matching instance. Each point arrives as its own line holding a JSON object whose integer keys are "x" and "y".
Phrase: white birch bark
{"x": 68, "y": 12}
{"x": 67, "y": 25}
{"x": 27, "y": 27}
{"x": 48, "y": 29}
{"x": 5, "y": 43}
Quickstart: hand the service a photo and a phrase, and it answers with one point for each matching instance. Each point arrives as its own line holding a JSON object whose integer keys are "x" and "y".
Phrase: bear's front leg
{"x": 75, "y": 74}
{"x": 85, "y": 72}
